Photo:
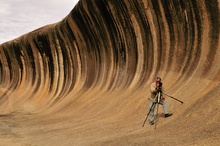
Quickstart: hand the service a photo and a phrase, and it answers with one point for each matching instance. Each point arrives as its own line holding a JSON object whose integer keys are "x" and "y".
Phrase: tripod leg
{"x": 158, "y": 102}
{"x": 172, "y": 97}
{"x": 156, "y": 118}
{"x": 151, "y": 108}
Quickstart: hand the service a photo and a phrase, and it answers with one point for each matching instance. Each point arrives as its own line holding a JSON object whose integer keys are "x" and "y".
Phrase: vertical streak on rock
{"x": 153, "y": 31}
{"x": 140, "y": 52}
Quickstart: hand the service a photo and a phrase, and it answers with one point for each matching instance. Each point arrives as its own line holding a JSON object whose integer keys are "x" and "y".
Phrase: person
{"x": 155, "y": 88}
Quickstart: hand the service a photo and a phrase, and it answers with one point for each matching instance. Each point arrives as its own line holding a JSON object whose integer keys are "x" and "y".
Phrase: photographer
{"x": 155, "y": 88}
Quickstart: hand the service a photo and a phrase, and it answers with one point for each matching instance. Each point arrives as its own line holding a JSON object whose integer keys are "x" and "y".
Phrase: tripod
{"x": 158, "y": 101}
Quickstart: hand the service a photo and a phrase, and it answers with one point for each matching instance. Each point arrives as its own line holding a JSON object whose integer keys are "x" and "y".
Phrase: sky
{"x": 18, "y": 17}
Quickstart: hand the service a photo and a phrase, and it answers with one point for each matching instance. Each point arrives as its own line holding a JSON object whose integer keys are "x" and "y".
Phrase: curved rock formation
{"x": 85, "y": 80}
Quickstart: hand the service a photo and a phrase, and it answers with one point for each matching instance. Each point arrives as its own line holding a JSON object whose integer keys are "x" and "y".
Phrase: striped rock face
{"x": 85, "y": 80}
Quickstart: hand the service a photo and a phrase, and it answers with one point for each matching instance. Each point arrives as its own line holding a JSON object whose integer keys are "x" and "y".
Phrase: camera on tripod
{"x": 159, "y": 87}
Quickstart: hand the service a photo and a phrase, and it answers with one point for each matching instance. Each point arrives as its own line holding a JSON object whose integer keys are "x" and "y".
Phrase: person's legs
{"x": 151, "y": 112}
{"x": 165, "y": 109}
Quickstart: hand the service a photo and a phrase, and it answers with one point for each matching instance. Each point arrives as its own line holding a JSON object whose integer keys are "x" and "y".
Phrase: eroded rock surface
{"x": 85, "y": 80}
